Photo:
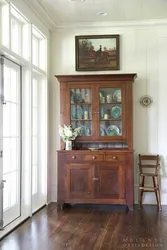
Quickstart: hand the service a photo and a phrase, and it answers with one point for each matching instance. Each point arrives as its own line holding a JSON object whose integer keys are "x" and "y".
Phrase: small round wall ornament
{"x": 146, "y": 101}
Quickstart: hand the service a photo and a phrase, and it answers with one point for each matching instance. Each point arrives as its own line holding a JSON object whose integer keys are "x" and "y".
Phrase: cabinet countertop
{"x": 98, "y": 150}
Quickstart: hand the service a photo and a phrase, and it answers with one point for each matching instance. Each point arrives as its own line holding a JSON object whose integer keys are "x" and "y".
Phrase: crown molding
{"x": 54, "y": 25}
{"x": 42, "y": 13}
{"x": 93, "y": 25}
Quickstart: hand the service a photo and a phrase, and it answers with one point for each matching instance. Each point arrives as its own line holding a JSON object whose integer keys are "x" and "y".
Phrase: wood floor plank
{"x": 91, "y": 228}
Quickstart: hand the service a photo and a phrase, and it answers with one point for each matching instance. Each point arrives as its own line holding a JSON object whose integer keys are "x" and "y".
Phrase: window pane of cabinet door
{"x": 81, "y": 110}
{"x": 110, "y": 112}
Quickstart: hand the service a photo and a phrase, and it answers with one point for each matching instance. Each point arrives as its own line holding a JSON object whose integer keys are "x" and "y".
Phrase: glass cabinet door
{"x": 81, "y": 110}
{"x": 110, "y": 111}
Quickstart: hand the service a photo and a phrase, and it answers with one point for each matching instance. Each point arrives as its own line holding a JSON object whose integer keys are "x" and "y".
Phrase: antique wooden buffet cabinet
{"x": 99, "y": 168}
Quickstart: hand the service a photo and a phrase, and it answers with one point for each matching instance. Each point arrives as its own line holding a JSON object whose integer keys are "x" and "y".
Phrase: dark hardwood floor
{"x": 91, "y": 228}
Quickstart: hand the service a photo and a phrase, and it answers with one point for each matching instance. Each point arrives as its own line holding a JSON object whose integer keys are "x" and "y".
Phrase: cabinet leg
{"x": 65, "y": 206}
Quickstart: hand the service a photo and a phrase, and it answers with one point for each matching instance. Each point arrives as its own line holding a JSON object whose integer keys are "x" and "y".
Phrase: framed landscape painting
{"x": 98, "y": 52}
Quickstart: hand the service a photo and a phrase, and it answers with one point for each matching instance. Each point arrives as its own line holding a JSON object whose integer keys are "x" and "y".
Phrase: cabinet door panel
{"x": 110, "y": 181}
{"x": 81, "y": 109}
{"x": 78, "y": 180}
{"x": 111, "y": 111}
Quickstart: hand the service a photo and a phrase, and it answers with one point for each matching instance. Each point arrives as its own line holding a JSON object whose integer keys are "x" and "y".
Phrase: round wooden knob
{"x": 93, "y": 157}
{"x": 114, "y": 157}
{"x": 73, "y": 157}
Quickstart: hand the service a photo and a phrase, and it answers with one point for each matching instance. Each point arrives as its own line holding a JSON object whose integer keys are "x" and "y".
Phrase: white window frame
{"x": 36, "y": 34}
{"x": 27, "y": 71}
{"x": 38, "y": 54}
{"x": 20, "y": 25}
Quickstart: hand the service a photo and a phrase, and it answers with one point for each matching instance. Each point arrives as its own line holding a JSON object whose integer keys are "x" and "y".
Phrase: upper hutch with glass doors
{"x": 102, "y": 106}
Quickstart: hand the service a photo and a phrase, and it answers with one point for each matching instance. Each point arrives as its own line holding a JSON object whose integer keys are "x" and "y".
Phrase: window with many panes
{"x": 38, "y": 49}
{"x": 26, "y": 45}
{"x": 20, "y": 34}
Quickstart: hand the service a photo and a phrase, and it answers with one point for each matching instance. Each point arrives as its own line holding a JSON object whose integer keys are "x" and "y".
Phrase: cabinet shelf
{"x": 111, "y": 119}
{"x": 81, "y": 120}
{"x": 81, "y": 103}
{"x": 109, "y": 103}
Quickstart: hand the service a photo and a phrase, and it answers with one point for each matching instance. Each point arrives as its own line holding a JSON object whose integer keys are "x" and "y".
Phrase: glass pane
{"x": 11, "y": 189}
{"x": 86, "y": 129}
{"x": 35, "y": 93}
{"x": 6, "y": 155}
{"x": 35, "y": 49}
{"x": 5, "y": 24}
{"x": 11, "y": 154}
{"x": 6, "y": 192}
{"x": 14, "y": 153}
{"x": 110, "y": 128}
{"x": 7, "y": 83}
{"x": 35, "y": 151}
{"x": 14, "y": 188}
{"x": 25, "y": 41}
{"x": 6, "y": 120}
{"x": 34, "y": 127}
{"x": 14, "y": 86}
{"x": 34, "y": 179}
{"x": 10, "y": 120}
{"x": 42, "y": 54}
{"x": 110, "y": 95}
{"x": 15, "y": 33}
{"x": 81, "y": 110}
{"x": 11, "y": 88}
{"x": 14, "y": 119}
{"x": 81, "y": 96}
{"x": 110, "y": 111}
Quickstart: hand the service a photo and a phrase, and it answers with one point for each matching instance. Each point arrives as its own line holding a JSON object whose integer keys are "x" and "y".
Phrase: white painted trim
{"x": 119, "y": 24}
{"x": 33, "y": 15}
{"x": 39, "y": 11}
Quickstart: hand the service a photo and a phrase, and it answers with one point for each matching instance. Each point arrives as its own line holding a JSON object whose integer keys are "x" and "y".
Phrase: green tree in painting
{"x": 85, "y": 46}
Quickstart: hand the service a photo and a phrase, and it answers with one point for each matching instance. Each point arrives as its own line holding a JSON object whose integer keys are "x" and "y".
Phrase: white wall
{"x": 143, "y": 50}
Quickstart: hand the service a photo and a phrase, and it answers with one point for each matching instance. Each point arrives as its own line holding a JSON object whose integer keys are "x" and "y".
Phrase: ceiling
{"x": 67, "y": 13}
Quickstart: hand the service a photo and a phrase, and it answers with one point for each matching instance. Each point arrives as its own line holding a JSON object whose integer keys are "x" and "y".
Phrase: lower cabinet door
{"x": 78, "y": 181}
{"x": 110, "y": 180}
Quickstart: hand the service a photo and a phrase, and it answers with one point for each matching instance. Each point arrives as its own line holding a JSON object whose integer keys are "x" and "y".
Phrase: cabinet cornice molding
{"x": 97, "y": 77}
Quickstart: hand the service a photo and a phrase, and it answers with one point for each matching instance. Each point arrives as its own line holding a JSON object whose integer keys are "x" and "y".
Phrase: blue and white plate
{"x": 76, "y": 97}
{"x": 85, "y": 131}
{"x": 116, "y": 112}
{"x": 113, "y": 130}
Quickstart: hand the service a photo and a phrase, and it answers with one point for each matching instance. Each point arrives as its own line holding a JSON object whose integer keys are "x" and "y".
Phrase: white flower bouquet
{"x": 68, "y": 133}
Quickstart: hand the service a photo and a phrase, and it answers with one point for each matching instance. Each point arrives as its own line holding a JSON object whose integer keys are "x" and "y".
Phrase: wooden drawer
{"x": 115, "y": 157}
{"x": 94, "y": 157}
{"x": 74, "y": 157}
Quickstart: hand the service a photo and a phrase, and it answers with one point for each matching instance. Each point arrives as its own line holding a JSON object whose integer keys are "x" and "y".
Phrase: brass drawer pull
{"x": 73, "y": 157}
{"x": 93, "y": 157}
{"x": 114, "y": 157}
